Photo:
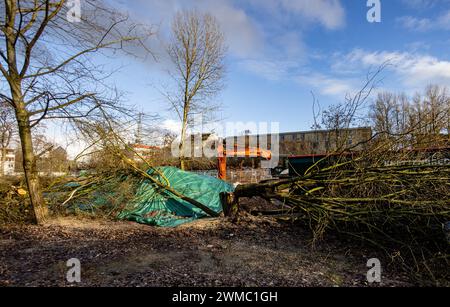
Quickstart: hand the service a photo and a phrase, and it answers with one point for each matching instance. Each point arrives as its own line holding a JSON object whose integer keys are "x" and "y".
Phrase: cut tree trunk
{"x": 229, "y": 204}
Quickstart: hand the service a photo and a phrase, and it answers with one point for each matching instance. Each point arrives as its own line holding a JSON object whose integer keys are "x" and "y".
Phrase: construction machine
{"x": 248, "y": 152}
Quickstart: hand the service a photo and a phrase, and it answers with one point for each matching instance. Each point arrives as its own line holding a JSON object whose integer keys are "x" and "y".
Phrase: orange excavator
{"x": 247, "y": 152}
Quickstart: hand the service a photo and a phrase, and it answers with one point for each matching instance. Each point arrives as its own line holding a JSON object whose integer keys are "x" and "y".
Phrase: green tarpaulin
{"x": 156, "y": 207}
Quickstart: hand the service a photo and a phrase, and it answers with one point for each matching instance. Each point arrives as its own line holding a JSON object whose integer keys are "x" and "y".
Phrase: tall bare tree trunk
{"x": 183, "y": 137}
{"x": 30, "y": 169}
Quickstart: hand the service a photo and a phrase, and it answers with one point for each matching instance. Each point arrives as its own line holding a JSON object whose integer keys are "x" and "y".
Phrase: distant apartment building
{"x": 315, "y": 142}
{"x": 311, "y": 142}
{"x": 8, "y": 166}
{"x": 324, "y": 141}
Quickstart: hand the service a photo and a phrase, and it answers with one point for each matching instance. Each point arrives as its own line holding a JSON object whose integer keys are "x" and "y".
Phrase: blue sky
{"x": 281, "y": 50}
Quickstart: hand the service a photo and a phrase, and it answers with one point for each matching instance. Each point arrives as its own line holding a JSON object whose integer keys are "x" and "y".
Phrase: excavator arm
{"x": 223, "y": 154}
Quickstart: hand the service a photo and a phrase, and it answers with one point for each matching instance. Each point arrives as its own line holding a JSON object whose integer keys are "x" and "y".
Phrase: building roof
{"x": 306, "y": 132}
{"x": 142, "y": 146}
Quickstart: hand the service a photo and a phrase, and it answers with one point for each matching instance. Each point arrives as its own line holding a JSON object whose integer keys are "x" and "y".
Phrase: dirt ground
{"x": 211, "y": 252}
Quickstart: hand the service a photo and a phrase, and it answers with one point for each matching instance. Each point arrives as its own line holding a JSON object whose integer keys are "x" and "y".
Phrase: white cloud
{"x": 414, "y": 71}
{"x": 266, "y": 46}
{"x": 425, "y": 24}
{"x": 292, "y": 44}
{"x": 422, "y": 4}
{"x": 417, "y": 24}
{"x": 418, "y": 46}
{"x": 267, "y": 69}
{"x": 444, "y": 20}
{"x": 328, "y": 85}
{"x": 285, "y": 50}
{"x": 172, "y": 125}
{"x": 328, "y": 13}
{"x": 408, "y": 72}
{"x": 243, "y": 36}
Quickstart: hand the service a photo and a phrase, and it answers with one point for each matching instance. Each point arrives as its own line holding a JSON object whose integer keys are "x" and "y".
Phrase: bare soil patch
{"x": 209, "y": 252}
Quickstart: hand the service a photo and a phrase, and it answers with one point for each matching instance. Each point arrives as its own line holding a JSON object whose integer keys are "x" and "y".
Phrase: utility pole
{"x": 138, "y": 135}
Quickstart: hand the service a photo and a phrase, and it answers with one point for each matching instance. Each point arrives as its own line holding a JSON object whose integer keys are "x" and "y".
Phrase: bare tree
{"x": 46, "y": 63}
{"x": 197, "y": 51}
{"x": 436, "y": 104}
{"x": 7, "y": 130}
{"x": 422, "y": 121}
{"x": 338, "y": 118}
{"x": 384, "y": 112}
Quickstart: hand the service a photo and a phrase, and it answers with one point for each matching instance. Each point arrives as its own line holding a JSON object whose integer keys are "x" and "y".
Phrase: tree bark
{"x": 229, "y": 203}
{"x": 183, "y": 135}
{"x": 29, "y": 166}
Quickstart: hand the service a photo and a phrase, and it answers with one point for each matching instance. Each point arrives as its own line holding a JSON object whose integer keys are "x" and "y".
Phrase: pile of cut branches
{"x": 99, "y": 194}
{"x": 401, "y": 208}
